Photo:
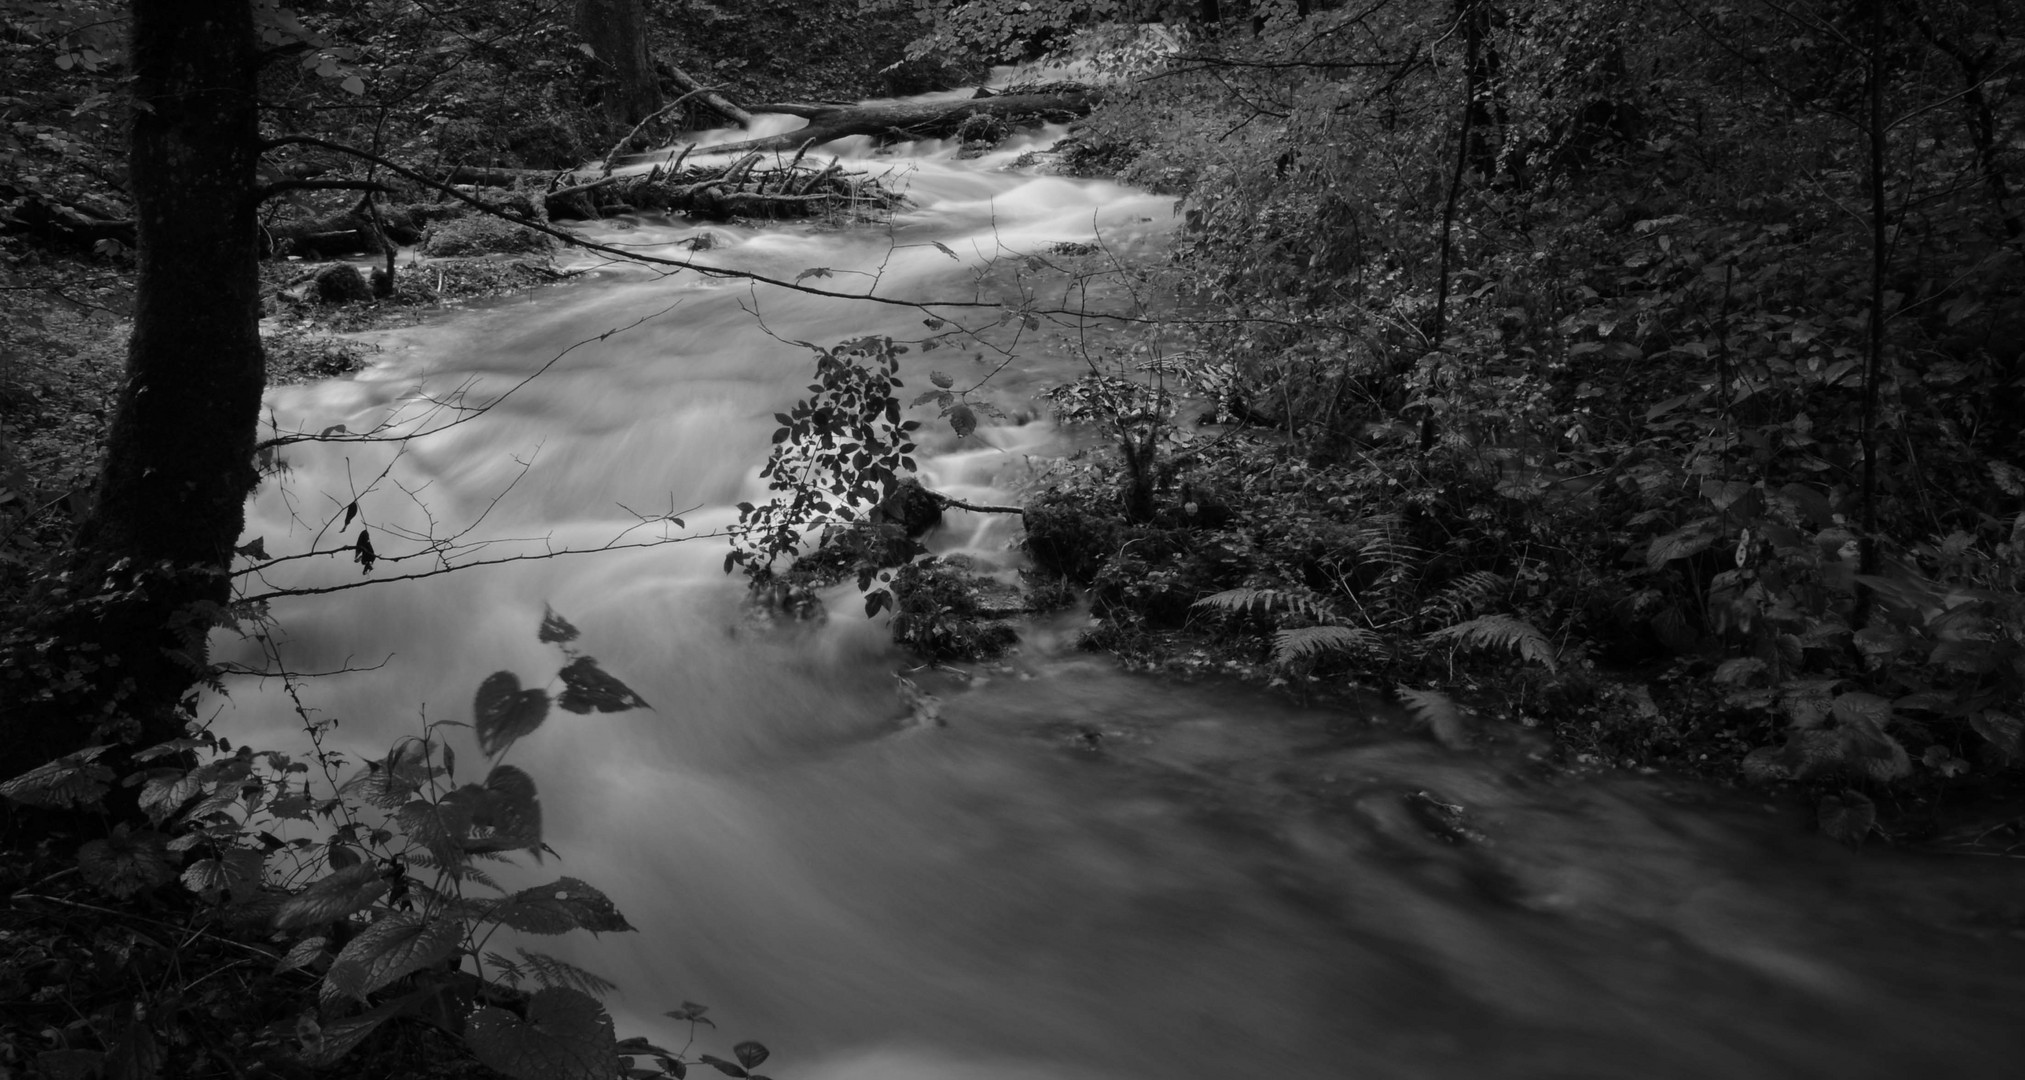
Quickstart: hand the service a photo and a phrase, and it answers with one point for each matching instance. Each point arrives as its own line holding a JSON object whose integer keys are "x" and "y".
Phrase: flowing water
{"x": 1085, "y": 873}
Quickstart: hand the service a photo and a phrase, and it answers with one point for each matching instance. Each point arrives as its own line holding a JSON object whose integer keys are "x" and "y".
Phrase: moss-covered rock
{"x": 945, "y": 610}
{"x": 340, "y": 283}
{"x": 1070, "y": 536}
{"x": 911, "y": 507}
{"x": 483, "y": 234}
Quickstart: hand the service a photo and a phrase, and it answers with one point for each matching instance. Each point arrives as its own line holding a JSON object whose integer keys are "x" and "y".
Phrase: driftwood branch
{"x": 975, "y": 508}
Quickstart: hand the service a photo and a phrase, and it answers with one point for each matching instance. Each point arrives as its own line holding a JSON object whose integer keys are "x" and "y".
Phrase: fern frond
{"x": 1466, "y": 594}
{"x": 550, "y": 971}
{"x": 1501, "y": 632}
{"x": 1380, "y": 539}
{"x": 1265, "y": 600}
{"x": 1231, "y": 600}
{"x": 1307, "y": 641}
{"x": 1439, "y": 712}
{"x": 505, "y": 970}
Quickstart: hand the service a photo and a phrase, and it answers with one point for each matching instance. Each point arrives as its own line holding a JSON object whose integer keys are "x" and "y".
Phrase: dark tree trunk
{"x": 616, "y": 31}
{"x": 171, "y": 497}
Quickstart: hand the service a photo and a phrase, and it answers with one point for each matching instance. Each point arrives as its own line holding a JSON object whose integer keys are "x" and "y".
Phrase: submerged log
{"x": 913, "y": 120}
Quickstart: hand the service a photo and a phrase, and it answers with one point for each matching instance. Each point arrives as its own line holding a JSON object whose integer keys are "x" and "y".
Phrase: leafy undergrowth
{"x": 1588, "y": 427}
{"x": 199, "y": 909}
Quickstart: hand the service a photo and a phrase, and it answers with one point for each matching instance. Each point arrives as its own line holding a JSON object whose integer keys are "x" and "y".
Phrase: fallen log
{"x": 63, "y": 225}
{"x": 707, "y": 95}
{"x": 750, "y": 186}
{"x": 914, "y": 120}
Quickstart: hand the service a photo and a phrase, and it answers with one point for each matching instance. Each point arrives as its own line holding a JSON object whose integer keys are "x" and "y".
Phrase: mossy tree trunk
{"x": 150, "y": 568}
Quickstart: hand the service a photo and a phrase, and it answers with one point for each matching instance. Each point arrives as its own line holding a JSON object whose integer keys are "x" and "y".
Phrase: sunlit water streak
{"x": 1216, "y": 885}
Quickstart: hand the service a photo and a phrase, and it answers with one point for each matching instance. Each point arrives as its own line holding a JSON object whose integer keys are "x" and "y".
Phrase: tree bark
{"x": 616, "y": 31}
{"x": 909, "y": 120}
{"x": 155, "y": 551}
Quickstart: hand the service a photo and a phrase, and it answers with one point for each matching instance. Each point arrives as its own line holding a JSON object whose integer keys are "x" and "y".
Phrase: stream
{"x": 1086, "y": 873}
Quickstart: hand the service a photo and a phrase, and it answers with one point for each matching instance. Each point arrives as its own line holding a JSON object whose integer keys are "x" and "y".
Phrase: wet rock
{"x": 912, "y": 507}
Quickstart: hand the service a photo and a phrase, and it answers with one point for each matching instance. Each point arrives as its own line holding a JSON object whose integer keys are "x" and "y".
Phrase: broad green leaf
{"x": 70, "y": 780}
{"x": 2004, "y": 731}
{"x": 728, "y": 1068}
{"x": 750, "y": 1054}
{"x": 1858, "y": 707}
{"x": 511, "y": 809}
{"x": 333, "y": 897}
{"x": 400, "y": 944}
{"x": 1738, "y": 669}
{"x": 502, "y": 712}
{"x": 1681, "y": 543}
{"x": 126, "y": 863}
{"x": 302, "y": 954}
{"x": 587, "y": 687}
{"x": 962, "y": 421}
{"x": 166, "y": 794}
{"x": 567, "y": 1036}
{"x": 1847, "y": 817}
{"x": 324, "y": 1045}
{"x": 566, "y": 905}
{"x": 941, "y": 380}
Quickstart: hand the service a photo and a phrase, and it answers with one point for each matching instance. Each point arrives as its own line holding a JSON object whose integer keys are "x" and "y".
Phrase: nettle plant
{"x": 386, "y": 901}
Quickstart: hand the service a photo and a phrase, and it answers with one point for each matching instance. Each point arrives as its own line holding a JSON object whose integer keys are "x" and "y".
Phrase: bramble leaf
{"x": 558, "y": 908}
{"x": 302, "y": 954}
{"x": 400, "y": 944}
{"x": 333, "y": 897}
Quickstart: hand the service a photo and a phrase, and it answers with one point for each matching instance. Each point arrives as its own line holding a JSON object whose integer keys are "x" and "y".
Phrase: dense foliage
{"x": 1663, "y": 352}
{"x": 1650, "y": 374}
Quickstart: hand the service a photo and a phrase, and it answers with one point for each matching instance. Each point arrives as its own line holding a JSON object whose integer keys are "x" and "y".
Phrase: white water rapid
{"x": 1217, "y": 886}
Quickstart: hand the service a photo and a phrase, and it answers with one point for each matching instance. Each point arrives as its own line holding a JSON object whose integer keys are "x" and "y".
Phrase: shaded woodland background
{"x": 1652, "y": 377}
